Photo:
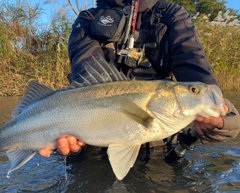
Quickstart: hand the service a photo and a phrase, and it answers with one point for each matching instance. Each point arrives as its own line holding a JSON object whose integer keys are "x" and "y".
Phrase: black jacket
{"x": 187, "y": 59}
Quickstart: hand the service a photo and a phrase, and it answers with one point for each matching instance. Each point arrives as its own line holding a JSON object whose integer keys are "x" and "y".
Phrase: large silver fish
{"x": 105, "y": 110}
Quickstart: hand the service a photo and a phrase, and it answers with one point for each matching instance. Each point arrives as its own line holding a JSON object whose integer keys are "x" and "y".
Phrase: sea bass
{"x": 105, "y": 110}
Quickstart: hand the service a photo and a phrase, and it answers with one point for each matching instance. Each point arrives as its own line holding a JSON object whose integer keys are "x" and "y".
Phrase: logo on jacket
{"x": 78, "y": 25}
{"x": 106, "y": 21}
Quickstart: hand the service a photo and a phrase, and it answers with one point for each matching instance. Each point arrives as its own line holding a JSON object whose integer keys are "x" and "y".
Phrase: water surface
{"x": 209, "y": 168}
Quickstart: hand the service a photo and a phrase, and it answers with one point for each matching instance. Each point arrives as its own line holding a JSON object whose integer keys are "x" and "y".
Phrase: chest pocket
{"x": 108, "y": 24}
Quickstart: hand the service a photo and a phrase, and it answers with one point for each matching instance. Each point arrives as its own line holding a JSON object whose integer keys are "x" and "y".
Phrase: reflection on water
{"x": 209, "y": 168}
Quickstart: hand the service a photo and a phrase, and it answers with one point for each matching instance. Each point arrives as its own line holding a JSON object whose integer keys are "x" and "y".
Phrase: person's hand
{"x": 210, "y": 129}
{"x": 219, "y": 129}
{"x": 65, "y": 146}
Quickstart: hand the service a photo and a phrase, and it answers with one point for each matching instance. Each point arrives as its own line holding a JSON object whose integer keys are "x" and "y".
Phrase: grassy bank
{"x": 31, "y": 50}
{"x": 222, "y": 48}
{"x": 27, "y": 54}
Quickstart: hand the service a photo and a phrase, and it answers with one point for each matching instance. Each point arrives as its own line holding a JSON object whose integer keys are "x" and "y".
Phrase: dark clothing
{"x": 185, "y": 57}
{"x": 178, "y": 50}
{"x": 143, "y": 7}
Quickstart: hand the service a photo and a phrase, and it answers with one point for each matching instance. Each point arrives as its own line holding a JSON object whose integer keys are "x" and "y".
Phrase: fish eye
{"x": 193, "y": 89}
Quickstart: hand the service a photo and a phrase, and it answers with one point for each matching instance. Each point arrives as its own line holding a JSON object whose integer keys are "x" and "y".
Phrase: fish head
{"x": 177, "y": 104}
{"x": 195, "y": 98}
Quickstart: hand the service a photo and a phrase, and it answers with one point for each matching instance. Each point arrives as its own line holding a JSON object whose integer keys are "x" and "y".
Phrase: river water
{"x": 208, "y": 168}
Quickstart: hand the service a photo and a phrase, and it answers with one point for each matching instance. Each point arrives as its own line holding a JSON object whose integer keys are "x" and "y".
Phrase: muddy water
{"x": 209, "y": 168}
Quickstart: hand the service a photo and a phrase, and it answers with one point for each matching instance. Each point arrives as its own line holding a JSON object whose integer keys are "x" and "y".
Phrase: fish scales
{"x": 117, "y": 113}
{"x": 71, "y": 115}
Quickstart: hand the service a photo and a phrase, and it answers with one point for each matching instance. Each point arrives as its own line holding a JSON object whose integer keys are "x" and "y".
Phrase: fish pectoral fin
{"x": 122, "y": 157}
{"x": 135, "y": 112}
{"x": 19, "y": 157}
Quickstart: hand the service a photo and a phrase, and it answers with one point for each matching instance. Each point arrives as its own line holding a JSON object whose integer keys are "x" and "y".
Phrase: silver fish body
{"x": 120, "y": 115}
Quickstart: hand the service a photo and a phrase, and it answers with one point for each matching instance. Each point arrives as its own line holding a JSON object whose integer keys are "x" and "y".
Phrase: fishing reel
{"x": 186, "y": 141}
{"x": 133, "y": 57}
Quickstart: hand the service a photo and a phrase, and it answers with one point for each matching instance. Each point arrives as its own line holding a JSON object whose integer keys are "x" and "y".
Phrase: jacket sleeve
{"x": 188, "y": 62}
{"x": 82, "y": 45}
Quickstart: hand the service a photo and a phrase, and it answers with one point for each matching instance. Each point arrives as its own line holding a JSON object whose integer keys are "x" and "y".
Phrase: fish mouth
{"x": 215, "y": 95}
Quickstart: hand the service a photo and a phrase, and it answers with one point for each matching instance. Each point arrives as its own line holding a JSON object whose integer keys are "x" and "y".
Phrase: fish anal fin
{"x": 18, "y": 158}
{"x": 122, "y": 157}
{"x": 34, "y": 92}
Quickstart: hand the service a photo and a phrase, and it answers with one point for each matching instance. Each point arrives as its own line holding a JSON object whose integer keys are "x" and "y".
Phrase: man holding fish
{"x": 139, "y": 75}
{"x": 147, "y": 48}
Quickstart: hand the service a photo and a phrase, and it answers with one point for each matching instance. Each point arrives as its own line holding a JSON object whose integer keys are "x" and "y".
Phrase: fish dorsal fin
{"x": 75, "y": 84}
{"x": 109, "y": 72}
{"x": 34, "y": 92}
{"x": 18, "y": 158}
{"x": 99, "y": 72}
{"x": 122, "y": 157}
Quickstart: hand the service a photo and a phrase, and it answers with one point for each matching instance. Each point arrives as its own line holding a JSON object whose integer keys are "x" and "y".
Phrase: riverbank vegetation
{"x": 32, "y": 50}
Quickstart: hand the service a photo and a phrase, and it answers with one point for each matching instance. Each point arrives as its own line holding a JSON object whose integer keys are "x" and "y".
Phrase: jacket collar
{"x": 145, "y": 5}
